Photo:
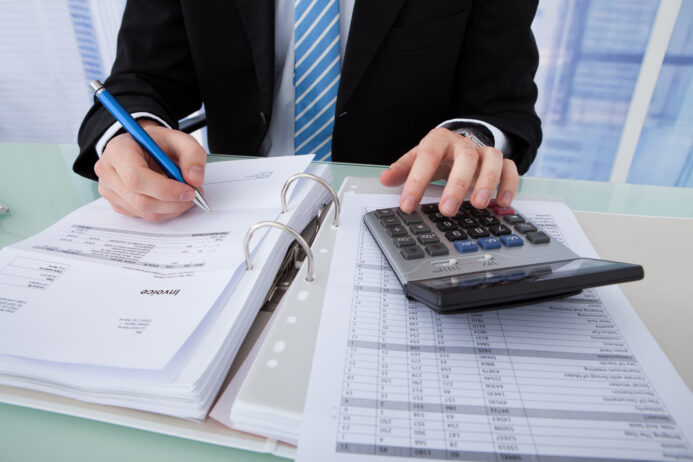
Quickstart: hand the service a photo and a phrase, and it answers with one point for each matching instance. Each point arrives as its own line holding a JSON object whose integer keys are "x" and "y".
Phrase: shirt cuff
{"x": 500, "y": 141}
{"x": 113, "y": 129}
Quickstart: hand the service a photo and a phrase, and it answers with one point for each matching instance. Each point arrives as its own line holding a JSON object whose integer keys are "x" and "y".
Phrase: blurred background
{"x": 615, "y": 81}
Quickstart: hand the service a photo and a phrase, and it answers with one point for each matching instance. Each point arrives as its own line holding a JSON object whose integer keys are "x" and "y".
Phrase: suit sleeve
{"x": 153, "y": 72}
{"x": 496, "y": 69}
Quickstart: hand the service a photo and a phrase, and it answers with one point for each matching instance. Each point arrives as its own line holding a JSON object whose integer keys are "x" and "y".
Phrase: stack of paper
{"x": 105, "y": 308}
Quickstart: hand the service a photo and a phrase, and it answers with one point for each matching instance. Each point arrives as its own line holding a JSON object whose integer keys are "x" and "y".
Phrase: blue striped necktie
{"x": 316, "y": 75}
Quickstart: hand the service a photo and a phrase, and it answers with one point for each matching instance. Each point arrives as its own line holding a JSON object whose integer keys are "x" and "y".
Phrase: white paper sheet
{"x": 104, "y": 289}
{"x": 574, "y": 379}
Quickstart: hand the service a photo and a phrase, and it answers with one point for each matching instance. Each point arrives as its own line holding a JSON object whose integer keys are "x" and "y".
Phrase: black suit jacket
{"x": 408, "y": 66}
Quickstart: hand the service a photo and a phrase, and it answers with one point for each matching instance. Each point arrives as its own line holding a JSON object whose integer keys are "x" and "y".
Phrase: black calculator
{"x": 484, "y": 258}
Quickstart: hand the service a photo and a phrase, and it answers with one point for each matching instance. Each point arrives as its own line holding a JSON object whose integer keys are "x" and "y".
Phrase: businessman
{"x": 438, "y": 89}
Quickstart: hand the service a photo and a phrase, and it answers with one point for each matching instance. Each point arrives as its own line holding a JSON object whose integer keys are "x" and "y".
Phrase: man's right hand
{"x": 135, "y": 185}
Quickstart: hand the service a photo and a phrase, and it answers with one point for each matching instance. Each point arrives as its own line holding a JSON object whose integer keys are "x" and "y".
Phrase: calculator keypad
{"x": 437, "y": 249}
{"x": 409, "y": 218}
{"x": 428, "y": 238}
{"x": 455, "y": 235}
{"x": 420, "y": 228}
{"x": 537, "y": 237}
{"x": 525, "y": 228}
{"x": 468, "y": 231}
{"x": 412, "y": 252}
{"x": 395, "y": 231}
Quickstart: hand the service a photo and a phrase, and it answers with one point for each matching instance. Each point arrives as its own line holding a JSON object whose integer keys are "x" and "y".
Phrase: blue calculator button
{"x": 465, "y": 246}
{"x": 512, "y": 240}
{"x": 489, "y": 243}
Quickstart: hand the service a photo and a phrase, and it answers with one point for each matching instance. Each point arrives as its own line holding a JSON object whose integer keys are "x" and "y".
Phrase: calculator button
{"x": 446, "y": 225}
{"x": 395, "y": 231}
{"x": 428, "y": 238}
{"x": 465, "y": 246}
{"x": 382, "y": 213}
{"x": 503, "y": 211}
{"x": 437, "y": 249}
{"x": 489, "y": 243}
{"x": 404, "y": 241}
{"x": 461, "y": 214}
{"x": 437, "y": 216}
{"x": 429, "y": 208}
{"x": 511, "y": 240}
{"x": 409, "y": 218}
{"x": 467, "y": 205}
{"x": 525, "y": 228}
{"x": 390, "y": 221}
{"x": 537, "y": 237}
{"x": 499, "y": 230}
{"x": 420, "y": 228}
{"x": 478, "y": 213}
{"x": 477, "y": 232}
{"x": 512, "y": 219}
{"x": 412, "y": 252}
{"x": 455, "y": 235}
{"x": 488, "y": 221}
{"x": 468, "y": 223}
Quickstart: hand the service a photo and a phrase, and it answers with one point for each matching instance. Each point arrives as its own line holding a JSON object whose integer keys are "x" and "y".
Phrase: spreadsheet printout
{"x": 572, "y": 379}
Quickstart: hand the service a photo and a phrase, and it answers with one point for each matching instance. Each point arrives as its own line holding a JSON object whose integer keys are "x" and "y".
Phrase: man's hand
{"x": 133, "y": 182}
{"x": 444, "y": 154}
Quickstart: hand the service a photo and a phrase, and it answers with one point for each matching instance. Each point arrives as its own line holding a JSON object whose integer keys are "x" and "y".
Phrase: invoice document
{"x": 573, "y": 379}
{"x": 99, "y": 288}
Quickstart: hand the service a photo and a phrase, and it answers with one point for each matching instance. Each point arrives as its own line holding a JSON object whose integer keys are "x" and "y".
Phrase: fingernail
{"x": 408, "y": 204}
{"x": 450, "y": 206}
{"x": 507, "y": 198}
{"x": 196, "y": 174}
{"x": 482, "y": 197}
{"x": 187, "y": 196}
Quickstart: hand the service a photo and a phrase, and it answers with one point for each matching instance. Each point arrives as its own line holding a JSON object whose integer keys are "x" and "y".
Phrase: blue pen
{"x": 141, "y": 136}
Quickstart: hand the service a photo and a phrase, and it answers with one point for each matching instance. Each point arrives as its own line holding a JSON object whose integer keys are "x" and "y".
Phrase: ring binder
{"x": 283, "y": 227}
{"x": 335, "y": 199}
{"x": 290, "y": 265}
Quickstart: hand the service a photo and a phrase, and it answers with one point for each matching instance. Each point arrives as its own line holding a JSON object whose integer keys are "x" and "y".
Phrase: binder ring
{"x": 335, "y": 199}
{"x": 283, "y": 227}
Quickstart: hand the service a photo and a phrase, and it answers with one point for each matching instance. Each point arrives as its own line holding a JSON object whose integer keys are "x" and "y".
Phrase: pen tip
{"x": 199, "y": 200}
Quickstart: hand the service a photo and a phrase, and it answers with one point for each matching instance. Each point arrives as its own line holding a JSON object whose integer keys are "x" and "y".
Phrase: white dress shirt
{"x": 279, "y": 140}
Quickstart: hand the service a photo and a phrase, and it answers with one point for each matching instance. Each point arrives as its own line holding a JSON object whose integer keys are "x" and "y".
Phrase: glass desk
{"x": 38, "y": 186}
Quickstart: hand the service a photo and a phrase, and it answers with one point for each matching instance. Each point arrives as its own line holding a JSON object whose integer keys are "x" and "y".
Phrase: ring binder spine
{"x": 335, "y": 198}
{"x": 282, "y": 227}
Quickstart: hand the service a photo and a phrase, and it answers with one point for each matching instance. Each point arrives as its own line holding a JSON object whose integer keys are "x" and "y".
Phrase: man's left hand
{"x": 443, "y": 154}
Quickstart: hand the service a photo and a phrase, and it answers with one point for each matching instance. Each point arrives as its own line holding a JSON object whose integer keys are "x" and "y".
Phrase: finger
{"x": 397, "y": 173}
{"x": 133, "y": 174}
{"x": 426, "y": 165}
{"x": 491, "y": 160}
{"x": 187, "y": 153}
{"x": 140, "y": 204}
{"x": 461, "y": 178}
{"x": 122, "y": 211}
{"x": 117, "y": 203}
{"x": 121, "y": 206}
{"x": 509, "y": 182}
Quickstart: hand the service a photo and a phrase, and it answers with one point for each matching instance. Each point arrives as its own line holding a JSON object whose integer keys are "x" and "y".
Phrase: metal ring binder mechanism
{"x": 283, "y": 227}
{"x": 292, "y": 256}
{"x": 335, "y": 199}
